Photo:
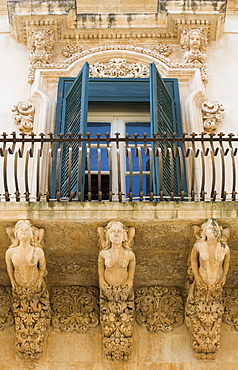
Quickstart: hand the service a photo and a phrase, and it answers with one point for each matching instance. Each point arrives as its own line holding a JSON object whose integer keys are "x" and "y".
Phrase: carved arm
{"x": 10, "y": 268}
{"x": 101, "y": 269}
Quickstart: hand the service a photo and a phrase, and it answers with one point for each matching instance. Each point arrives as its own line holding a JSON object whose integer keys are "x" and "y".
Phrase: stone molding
{"x": 74, "y": 308}
{"x": 159, "y": 308}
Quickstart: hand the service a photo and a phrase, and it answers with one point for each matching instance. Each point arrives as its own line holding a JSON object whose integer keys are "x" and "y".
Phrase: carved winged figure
{"x": 25, "y": 258}
{"x": 116, "y": 261}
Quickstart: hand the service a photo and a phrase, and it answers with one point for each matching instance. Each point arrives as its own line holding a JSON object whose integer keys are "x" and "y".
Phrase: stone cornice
{"x": 68, "y": 24}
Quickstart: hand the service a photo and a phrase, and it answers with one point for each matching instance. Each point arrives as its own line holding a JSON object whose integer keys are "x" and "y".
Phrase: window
{"x": 123, "y": 105}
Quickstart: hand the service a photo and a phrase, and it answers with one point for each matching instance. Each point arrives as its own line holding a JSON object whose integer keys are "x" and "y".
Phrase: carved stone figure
{"x": 25, "y": 258}
{"x": 116, "y": 268}
{"x": 24, "y": 112}
{"x": 204, "y": 308}
{"x": 40, "y": 46}
{"x": 193, "y": 42}
{"x": 26, "y": 267}
{"x": 212, "y": 113}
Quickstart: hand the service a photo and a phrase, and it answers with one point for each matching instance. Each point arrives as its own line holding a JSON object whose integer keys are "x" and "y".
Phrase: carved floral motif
{"x": 24, "y": 112}
{"x": 6, "y": 316}
{"x": 206, "y": 276}
{"x": 159, "y": 308}
{"x": 212, "y": 113}
{"x": 193, "y": 43}
{"x": 40, "y": 45}
{"x": 163, "y": 49}
{"x": 230, "y": 317}
{"x": 116, "y": 268}
{"x": 70, "y": 50}
{"x": 118, "y": 67}
{"x": 74, "y": 308}
{"x": 27, "y": 269}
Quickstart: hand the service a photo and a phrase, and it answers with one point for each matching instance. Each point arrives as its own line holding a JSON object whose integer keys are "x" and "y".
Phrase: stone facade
{"x": 74, "y": 318}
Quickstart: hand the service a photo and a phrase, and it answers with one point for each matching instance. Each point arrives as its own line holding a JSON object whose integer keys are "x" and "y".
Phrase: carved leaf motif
{"x": 6, "y": 315}
{"x": 230, "y": 316}
{"x": 159, "y": 308}
{"x": 74, "y": 308}
{"x": 117, "y": 68}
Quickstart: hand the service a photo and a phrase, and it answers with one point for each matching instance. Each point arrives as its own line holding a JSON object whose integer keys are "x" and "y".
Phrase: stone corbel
{"x": 212, "y": 114}
{"x": 116, "y": 267}
{"x": 159, "y": 308}
{"x": 26, "y": 267}
{"x": 206, "y": 276}
{"x": 24, "y": 113}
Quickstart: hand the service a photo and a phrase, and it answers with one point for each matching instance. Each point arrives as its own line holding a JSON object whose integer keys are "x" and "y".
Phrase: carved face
{"x": 195, "y": 41}
{"x": 24, "y": 232}
{"x": 39, "y": 42}
{"x": 116, "y": 233}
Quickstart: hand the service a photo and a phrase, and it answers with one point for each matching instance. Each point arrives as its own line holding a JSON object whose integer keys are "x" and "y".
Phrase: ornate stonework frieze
{"x": 24, "y": 113}
{"x": 163, "y": 49}
{"x": 75, "y": 308}
{"x": 26, "y": 267}
{"x": 212, "y": 114}
{"x": 206, "y": 276}
{"x": 40, "y": 45}
{"x": 193, "y": 43}
{"x": 116, "y": 267}
{"x": 70, "y": 50}
{"x": 230, "y": 317}
{"x": 159, "y": 308}
{"x": 117, "y": 68}
{"x": 6, "y": 315}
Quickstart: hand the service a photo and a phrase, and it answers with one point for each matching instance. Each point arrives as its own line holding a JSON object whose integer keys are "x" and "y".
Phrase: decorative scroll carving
{"x": 159, "y": 308}
{"x": 69, "y": 50}
{"x": 6, "y": 316}
{"x": 118, "y": 67}
{"x": 40, "y": 46}
{"x": 230, "y": 316}
{"x": 24, "y": 112}
{"x": 212, "y": 113}
{"x": 204, "y": 308}
{"x": 163, "y": 49}
{"x": 193, "y": 42}
{"x": 74, "y": 308}
{"x": 116, "y": 267}
{"x": 27, "y": 269}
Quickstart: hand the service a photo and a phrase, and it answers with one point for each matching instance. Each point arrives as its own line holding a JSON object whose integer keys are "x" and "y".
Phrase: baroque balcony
{"x": 122, "y": 169}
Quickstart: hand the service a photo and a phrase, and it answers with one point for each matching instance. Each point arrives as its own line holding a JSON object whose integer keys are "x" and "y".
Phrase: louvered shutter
{"x": 74, "y": 120}
{"x": 162, "y": 112}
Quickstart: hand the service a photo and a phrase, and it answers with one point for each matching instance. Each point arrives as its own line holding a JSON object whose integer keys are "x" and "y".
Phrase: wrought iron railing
{"x": 191, "y": 167}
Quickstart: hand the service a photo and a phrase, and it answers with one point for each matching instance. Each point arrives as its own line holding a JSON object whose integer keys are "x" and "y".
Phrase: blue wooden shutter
{"x": 162, "y": 112}
{"x": 74, "y": 121}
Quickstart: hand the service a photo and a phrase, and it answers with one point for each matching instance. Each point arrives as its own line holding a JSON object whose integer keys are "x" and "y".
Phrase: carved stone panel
{"x": 159, "y": 308}
{"x": 6, "y": 316}
{"x": 117, "y": 68}
{"x": 230, "y": 317}
{"x": 75, "y": 308}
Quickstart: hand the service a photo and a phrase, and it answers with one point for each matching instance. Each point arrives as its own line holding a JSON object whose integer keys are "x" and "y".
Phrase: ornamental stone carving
{"x": 26, "y": 267}
{"x": 117, "y": 68}
{"x": 193, "y": 43}
{"x": 212, "y": 114}
{"x": 74, "y": 308}
{"x": 159, "y": 308}
{"x": 204, "y": 307}
{"x": 116, "y": 267}
{"x": 40, "y": 45}
{"x": 6, "y": 316}
{"x": 24, "y": 113}
{"x": 230, "y": 317}
{"x": 163, "y": 49}
{"x": 69, "y": 50}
